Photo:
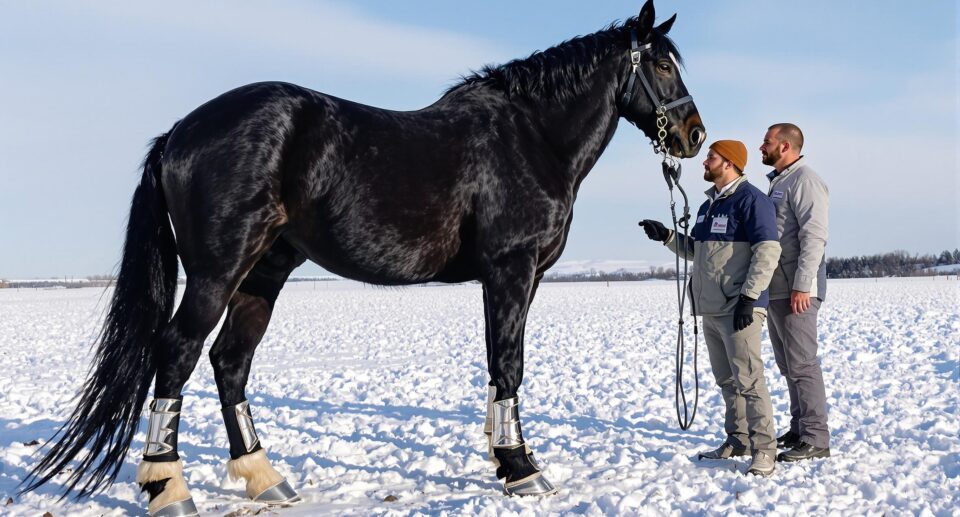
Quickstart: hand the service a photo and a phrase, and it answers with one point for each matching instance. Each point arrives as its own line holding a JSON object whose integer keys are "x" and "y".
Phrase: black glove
{"x": 655, "y": 230}
{"x": 743, "y": 313}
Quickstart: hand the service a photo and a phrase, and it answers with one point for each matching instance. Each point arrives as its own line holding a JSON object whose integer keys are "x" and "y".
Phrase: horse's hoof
{"x": 184, "y": 508}
{"x": 533, "y": 485}
{"x": 280, "y": 494}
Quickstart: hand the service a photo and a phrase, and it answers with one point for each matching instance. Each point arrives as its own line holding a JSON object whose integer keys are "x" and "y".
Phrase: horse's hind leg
{"x": 247, "y": 318}
{"x": 177, "y": 350}
{"x": 508, "y": 290}
{"x": 178, "y": 347}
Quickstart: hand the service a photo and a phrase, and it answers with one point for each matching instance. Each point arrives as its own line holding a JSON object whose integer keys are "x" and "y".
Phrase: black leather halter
{"x": 636, "y": 51}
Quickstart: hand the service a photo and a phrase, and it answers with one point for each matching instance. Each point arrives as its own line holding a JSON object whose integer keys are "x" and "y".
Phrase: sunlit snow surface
{"x": 360, "y": 393}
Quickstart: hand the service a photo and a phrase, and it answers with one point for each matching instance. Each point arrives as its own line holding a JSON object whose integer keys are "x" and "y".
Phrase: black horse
{"x": 478, "y": 186}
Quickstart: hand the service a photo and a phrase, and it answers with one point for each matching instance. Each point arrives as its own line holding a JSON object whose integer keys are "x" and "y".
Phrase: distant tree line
{"x": 896, "y": 263}
{"x": 71, "y": 283}
{"x": 655, "y": 273}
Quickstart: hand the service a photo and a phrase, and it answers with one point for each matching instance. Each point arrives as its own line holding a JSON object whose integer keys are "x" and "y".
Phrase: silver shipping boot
{"x": 488, "y": 429}
{"x": 249, "y": 460}
{"x": 162, "y": 430}
{"x": 488, "y": 424}
{"x": 161, "y": 461}
{"x": 240, "y": 432}
{"x": 505, "y": 434}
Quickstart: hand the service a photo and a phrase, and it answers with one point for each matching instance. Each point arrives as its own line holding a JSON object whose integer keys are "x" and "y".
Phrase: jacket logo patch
{"x": 719, "y": 224}
{"x": 777, "y": 194}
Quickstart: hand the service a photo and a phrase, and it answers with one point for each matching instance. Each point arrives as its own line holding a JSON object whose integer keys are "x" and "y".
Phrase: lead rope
{"x": 671, "y": 173}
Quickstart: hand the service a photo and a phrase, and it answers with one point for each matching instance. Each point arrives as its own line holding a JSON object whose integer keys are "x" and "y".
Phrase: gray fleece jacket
{"x": 803, "y": 203}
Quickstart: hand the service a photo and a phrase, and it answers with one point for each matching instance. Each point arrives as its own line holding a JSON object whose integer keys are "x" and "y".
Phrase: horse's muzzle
{"x": 689, "y": 137}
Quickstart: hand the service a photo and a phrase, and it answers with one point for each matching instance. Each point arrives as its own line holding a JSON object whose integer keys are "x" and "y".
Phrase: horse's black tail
{"x": 110, "y": 404}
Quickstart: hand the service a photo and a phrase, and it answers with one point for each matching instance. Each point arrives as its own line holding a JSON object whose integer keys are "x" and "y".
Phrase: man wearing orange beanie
{"x": 734, "y": 247}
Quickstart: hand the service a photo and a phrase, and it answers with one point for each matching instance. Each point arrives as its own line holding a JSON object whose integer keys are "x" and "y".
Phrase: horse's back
{"x": 373, "y": 194}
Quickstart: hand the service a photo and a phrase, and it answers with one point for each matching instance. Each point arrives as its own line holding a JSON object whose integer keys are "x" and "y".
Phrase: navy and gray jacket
{"x": 735, "y": 249}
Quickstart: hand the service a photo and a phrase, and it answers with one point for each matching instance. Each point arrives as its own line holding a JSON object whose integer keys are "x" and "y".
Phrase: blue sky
{"x": 85, "y": 85}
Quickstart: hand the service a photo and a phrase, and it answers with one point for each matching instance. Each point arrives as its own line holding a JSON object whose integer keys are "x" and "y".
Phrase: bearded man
{"x": 734, "y": 248}
{"x": 798, "y": 287}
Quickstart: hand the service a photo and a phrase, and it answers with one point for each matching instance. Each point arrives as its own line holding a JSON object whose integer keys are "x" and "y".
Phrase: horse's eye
{"x": 664, "y": 67}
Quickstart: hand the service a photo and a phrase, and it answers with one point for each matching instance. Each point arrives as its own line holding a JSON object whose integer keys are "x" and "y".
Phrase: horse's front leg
{"x": 508, "y": 290}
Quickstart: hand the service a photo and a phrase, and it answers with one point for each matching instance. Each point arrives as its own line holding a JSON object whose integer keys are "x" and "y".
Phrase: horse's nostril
{"x": 696, "y": 136}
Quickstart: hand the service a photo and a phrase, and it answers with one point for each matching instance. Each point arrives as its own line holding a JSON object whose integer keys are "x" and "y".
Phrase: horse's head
{"x": 654, "y": 97}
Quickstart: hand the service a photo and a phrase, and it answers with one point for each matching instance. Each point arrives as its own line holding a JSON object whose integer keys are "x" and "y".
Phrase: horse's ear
{"x": 645, "y": 20}
{"x": 664, "y": 27}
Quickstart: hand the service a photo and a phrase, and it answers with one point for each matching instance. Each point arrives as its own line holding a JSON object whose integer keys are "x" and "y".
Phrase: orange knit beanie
{"x": 733, "y": 151}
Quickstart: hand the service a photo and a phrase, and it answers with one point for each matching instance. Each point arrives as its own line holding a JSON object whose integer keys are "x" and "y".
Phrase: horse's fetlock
{"x": 163, "y": 481}
{"x": 154, "y": 488}
{"x": 263, "y": 482}
{"x": 514, "y": 464}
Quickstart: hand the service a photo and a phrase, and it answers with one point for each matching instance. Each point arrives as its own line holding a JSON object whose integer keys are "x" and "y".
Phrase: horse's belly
{"x": 382, "y": 253}
{"x": 420, "y": 259}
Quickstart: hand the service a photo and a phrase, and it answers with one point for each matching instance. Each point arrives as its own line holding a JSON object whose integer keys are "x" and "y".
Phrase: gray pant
{"x": 794, "y": 338}
{"x": 736, "y": 364}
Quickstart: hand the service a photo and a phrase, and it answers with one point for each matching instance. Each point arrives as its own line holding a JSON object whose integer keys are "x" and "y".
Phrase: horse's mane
{"x": 561, "y": 72}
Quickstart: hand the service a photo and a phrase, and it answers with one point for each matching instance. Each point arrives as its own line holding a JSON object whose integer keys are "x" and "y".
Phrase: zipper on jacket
{"x": 785, "y": 279}
{"x": 706, "y": 215}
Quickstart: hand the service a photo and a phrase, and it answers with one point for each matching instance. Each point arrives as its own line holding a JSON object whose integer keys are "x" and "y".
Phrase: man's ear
{"x": 645, "y": 20}
{"x": 664, "y": 27}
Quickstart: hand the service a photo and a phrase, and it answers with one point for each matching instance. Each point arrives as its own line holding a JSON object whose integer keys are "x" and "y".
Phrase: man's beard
{"x": 770, "y": 158}
{"x": 711, "y": 176}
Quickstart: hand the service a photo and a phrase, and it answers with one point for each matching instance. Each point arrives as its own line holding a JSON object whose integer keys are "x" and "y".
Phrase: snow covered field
{"x": 361, "y": 393}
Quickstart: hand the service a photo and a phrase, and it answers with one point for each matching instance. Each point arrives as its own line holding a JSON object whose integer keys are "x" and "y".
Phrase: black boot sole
{"x": 783, "y": 457}
{"x": 738, "y": 453}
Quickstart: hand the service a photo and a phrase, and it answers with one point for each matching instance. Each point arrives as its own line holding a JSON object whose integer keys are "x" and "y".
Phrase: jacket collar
{"x": 772, "y": 175}
{"x": 712, "y": 191}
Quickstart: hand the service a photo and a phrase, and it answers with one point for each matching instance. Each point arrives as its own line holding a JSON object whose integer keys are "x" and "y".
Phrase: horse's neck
{"x": 580, "y": 128}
